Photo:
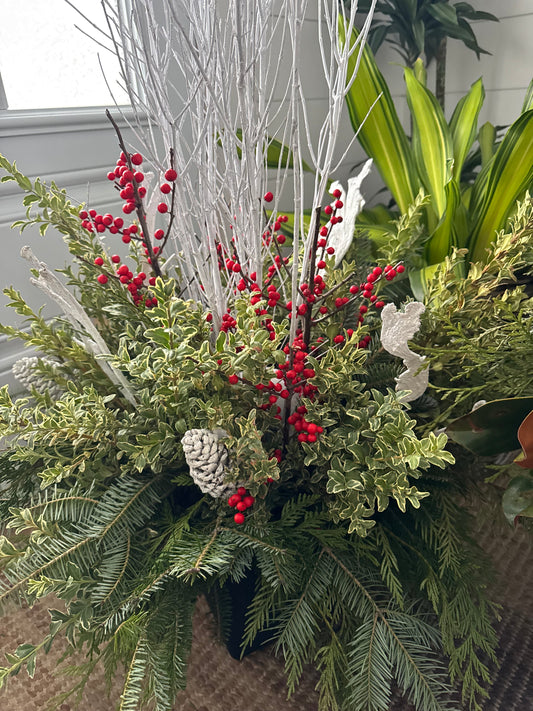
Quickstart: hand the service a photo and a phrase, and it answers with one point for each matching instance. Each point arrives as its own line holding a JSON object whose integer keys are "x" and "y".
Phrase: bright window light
{"x": 46, "y": 62}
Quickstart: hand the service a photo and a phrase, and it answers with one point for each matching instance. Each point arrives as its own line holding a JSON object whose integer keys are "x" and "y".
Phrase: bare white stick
{"x": 216, "y": 81}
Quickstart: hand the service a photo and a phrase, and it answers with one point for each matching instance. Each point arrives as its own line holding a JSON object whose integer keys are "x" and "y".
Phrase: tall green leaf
{"x": 528, "y": 99}
{"x": 444, "y": 236}
{"x": 463, "y": 125}
{"x": 432, "y": 144}
{"x": 487, "y": 142}
{"x": 382, "y": 135}
{"x": 511, "y": 173}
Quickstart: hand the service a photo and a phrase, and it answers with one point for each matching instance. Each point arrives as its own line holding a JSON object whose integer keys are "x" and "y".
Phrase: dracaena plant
{"x": 216, "y": 401}
{"x": 431, "y": 160}
{"x": 421, "y": 28}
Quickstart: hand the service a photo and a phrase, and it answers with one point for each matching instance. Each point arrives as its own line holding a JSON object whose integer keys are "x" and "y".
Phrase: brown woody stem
{"x": 139, "y": 207}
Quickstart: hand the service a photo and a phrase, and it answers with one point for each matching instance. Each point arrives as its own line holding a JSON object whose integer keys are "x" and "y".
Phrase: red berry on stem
{"x": 268, "y": 197}
{"x": 233, "y": 379}
{"x": 159, "y": 234}
{"x": 102, "y": 278}
{"x": 239, "y": 518}
{"x": 165, "y": 188}
{"x": 115, "y": 258}
{"x": 136, "y": 159}
{"x": 98, "y": 261}
{"x": 171, "y": 175}
{"x": 162, "y": 207}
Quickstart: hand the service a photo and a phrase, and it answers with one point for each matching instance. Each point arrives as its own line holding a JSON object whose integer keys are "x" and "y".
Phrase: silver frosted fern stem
{"x": 397, "y": 329}
{"x": 208, "y": 461}
{"x": 94, "y": 343}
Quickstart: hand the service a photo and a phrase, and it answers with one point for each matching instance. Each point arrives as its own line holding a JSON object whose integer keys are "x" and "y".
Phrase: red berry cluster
{"x": 134, "y": 284}
{"x": 128, "y": 179}
{"x": 307, "y": 431}
{"x": 318, "y": 303}
{"x": 241, "y": 501}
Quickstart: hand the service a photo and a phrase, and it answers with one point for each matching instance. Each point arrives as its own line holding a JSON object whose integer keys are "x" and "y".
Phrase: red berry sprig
{"x": 241, "y": 501}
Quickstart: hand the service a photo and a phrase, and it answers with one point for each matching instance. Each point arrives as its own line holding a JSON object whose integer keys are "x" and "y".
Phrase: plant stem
{"x": 139, "y": 207}
{"x": 440, "y": 78}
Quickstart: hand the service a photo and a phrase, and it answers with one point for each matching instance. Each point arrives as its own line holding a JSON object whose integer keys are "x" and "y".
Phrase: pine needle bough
{"x": 218, "y": 333}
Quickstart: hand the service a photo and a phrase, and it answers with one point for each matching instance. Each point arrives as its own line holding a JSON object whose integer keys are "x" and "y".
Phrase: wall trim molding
{"x": 41, "y": 121}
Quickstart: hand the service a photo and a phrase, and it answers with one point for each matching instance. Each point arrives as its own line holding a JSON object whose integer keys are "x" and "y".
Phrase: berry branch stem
{"x": 312, "y": 268}
{"x": 139, "y": 208}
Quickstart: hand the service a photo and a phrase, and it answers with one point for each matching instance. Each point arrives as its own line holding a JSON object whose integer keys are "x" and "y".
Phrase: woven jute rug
{"x": 217, "y": 682}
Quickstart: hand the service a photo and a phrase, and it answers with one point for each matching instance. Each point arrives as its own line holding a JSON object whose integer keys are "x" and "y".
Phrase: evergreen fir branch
{"x": 134, "y": 685}
{"x": 297, "y": 625}
{"x": 389, "y": 566}
{"x": 369, "y": 685}
{"x": 169, "y": 635}
{"x": 417, "y": 673}
{"x": 69, "y": 506}
{"x": 127, "y": 504}
{"x": 112, "y": 570}
{"x": 453, "y": 572}
{"x": 331, "y": 661}
{"x": 55, "y": 555}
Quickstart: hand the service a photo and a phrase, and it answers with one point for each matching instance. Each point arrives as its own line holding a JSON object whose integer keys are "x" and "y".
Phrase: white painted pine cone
{"x": 208, "y": 461}
{"x": 24, "y": 371}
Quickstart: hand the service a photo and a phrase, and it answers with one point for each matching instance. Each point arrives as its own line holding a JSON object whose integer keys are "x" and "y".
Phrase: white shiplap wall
{"x": 74, "y": 150}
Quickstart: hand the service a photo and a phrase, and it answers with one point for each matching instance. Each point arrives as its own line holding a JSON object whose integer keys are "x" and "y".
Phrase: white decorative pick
{"x": 341, "y": 234}
{"x": 397, "y": 329}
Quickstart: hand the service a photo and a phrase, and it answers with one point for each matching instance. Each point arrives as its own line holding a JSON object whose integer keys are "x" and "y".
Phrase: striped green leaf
{"x": 528, "y": 99}
{"x": 510, "y": 174}
{"x": 444, "y": 236}
{"x": 381, "y": 135}
{"x": 487, "y": 143}
{"x": 432, "y": 143}
{"x": 463, "y": 125}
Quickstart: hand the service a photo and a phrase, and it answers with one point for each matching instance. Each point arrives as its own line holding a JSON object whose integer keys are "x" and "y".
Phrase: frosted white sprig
{"x": 342, "y": 233}
{"x": 73, "y": 310}
{"x": 397, "y": 329}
